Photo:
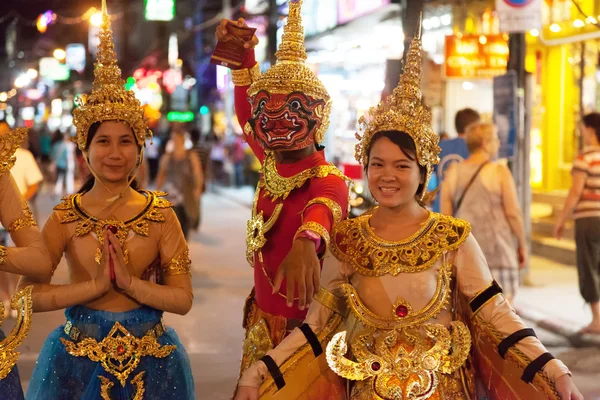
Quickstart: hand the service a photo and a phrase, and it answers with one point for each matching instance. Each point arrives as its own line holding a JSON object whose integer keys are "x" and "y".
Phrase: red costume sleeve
{"x": 243, "y": 108}
{"x": 332, "y": 188}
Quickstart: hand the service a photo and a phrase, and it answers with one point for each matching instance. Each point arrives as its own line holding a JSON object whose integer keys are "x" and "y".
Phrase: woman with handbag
{"x": 482, "y": 191}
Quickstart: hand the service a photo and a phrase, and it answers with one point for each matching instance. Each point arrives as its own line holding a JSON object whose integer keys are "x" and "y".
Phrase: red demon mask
{"x": 285, "y": 122}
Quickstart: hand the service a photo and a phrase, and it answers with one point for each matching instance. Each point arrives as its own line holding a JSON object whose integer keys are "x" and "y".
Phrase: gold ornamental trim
{"x": 336, "y": 303}
{"x": 276, "y": 186}
{"x": 334, "y": 207}
{"x": 179, "y": 265}
{"x": 355, "y": 242}
{"x": 119, "y": 352}
{"x": 138, "y": 382}
{"x": 257, "y": 228}
{"x": 3, "y": 253}
{"x": 25, "y": 221}
{"x": 316, "y": 228}
{"x": 256, "y": 344}
{"x": 245, "y": 77}
{"x": 440, "y": 299}
{"x": 21, "y": 302}
{"x": 9, "y": 143}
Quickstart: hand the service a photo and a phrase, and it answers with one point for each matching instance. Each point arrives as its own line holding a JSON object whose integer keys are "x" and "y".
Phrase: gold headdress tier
{"x": 9, "y": 143}
{"x": 109, "y": 101}
{"x": 290, "y": 73}
{"x": 404, "y": 111}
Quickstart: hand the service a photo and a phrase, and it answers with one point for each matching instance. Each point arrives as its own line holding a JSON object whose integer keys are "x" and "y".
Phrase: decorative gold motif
{"x": 400, "y": 302}
{"x": 23, "y": 222}
{"x": 355, "y": 242}
{"x": 119, "y": 352}
{"x": 276, "y": 186}
{"x": 257, "y": 228}
{"x": 317, "y": 228}
{"x": 257, "y": 343}
{"x": 3, "y": 253}
{"x": 179, "y": 265}
{"x": 440, "y": 299}
{"x": 334, "y": 207}
{"x": 137, "y": 382}
{"x": 241, "y": 77}
{"x": 87, "y": 223}
{"x": 405, "y": 363}
{"x": 403, "y": 111}
{"x": 109, "y": 101}
{"x": 9, "y": 143}
{"x": 290, "y": 73}
{"x": 23, "y": 304}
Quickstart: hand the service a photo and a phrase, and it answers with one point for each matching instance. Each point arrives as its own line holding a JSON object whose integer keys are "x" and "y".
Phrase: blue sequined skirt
{"x": 10, "y": 387}
{"x": 59, "y": 375}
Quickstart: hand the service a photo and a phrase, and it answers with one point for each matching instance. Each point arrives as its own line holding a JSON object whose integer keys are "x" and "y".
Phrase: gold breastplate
{"x": 402, "y": 355}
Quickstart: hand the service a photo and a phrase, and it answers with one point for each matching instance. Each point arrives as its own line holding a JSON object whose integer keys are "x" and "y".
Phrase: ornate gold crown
{"x": 9, "y": 143}
{"x": 404, "y": 111}
{"x": 109, "y": 101}
{"x": 290, "y": 73}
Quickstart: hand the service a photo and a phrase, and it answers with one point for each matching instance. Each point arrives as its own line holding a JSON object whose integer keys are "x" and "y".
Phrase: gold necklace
{"x": 277, "y": 186}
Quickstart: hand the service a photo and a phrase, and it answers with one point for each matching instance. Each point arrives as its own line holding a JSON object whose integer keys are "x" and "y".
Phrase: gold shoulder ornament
{"x": 355, "y": 242}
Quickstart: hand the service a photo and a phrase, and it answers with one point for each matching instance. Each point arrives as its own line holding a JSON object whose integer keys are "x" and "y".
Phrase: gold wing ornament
{"x": 9, "y": 143}
{"x": 23, "y": 304}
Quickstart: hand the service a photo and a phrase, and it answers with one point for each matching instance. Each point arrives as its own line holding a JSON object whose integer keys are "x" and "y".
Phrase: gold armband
{"x": 336, "y": 209}
{"x": 3, "y": 254}
{"x": 245, "y": 77}
{"x": 25, "y": 221}
{"x": 317, "y": 228}
{"x": 179, "y": 265}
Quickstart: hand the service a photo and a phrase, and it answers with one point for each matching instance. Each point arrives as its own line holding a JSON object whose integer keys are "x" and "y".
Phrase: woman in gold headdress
{"x": 128, "y": 263}
{"x": 29, "y": 257}
{"x": 418, "y": 314}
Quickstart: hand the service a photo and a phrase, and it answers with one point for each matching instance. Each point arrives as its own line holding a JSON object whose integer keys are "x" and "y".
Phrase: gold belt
{"x": 76, "y": 335}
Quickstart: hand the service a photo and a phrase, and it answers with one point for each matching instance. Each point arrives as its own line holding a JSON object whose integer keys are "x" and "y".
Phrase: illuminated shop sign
{"x": 352, "y": 9}
{"x": 476, "y": 56}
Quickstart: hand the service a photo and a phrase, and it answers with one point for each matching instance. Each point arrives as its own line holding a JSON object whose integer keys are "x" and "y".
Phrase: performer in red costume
{"x": 285, "y": 114}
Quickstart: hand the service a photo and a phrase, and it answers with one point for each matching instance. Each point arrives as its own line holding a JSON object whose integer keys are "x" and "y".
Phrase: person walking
{"x": 63, "y": 155}
{"x": 483, "y": 192}
{"x": 583, "y": 203}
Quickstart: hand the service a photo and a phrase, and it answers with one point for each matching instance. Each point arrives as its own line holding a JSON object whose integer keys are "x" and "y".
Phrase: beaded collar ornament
{"x": 290, "y": 74}
{"x": 109, "y": 101}
{"x": 403, "y": 111}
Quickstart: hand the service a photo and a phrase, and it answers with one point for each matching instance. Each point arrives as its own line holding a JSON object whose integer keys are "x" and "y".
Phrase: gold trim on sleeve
{"x": 23, "y": 222}
{"x": 334, "y": 207}
{"x": 241, "y": 77}
{"x": 318, "y": 229}
{"x": 3, "y": 253}
{"x": 334, "y": 303}
{"x": 179, "y": 265}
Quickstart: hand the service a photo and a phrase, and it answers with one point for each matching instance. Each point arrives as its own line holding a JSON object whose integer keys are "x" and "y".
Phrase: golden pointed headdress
{"x": 290, "y": 73}
{"x": 9, "y": 143}
{"x": 109, "y": 101}
{"x": 403, "y": 111}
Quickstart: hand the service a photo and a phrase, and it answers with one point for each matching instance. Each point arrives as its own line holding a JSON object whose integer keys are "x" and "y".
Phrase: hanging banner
{"x": 519, "y": 15}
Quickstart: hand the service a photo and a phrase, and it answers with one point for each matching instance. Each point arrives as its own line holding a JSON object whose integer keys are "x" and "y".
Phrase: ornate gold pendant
{"x": 257, "y": 228}
{"x": 119, "y": 352}
{"x": 23, "y": 304}
{"x": 138, "y": 382}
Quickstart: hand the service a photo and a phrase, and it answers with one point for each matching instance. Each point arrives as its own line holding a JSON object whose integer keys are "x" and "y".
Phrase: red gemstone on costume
{"x": 120, "y": 349}
{"x": 375, "y": 366}
{"x": 401, "y": 311}
{"x": 112, "y": 228}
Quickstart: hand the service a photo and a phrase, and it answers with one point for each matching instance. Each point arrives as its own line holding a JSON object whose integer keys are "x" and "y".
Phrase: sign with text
{"x": 476, "y": 56}
{"x": 519, "y": 15}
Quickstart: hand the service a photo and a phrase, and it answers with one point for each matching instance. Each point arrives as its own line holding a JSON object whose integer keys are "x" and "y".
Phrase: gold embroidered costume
{"x": 420, "y": 318}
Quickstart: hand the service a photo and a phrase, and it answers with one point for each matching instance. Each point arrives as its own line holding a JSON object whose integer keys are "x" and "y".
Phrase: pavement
{"x": 212, "y": 332}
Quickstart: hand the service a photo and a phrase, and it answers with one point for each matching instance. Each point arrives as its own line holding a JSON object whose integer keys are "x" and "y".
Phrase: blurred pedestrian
{"x": 237, "y": 158}
{"x": 483, "y": 192}
{"x": 583, "y": 202}
{"x": 218, "y": 155}
{"x": 453, "y": 150}
{"x": 180, "y": 174}
{"x": 63, "y": 156}
{"x": 152, "y": 154}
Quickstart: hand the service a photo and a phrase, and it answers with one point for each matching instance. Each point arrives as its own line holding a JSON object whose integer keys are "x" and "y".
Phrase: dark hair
{"x": 464, "y": 118}
{"x": 89, "y": 183}
{"x": 406, "y": 145}
{"x": 592, "y": 120}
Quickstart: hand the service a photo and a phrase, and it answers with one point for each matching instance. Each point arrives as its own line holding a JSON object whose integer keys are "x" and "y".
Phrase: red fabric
{"x": 281, "y": 236}
{"x": 243, "y": 108}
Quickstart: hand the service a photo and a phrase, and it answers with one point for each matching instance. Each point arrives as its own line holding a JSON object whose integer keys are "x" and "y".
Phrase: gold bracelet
{"x": 3, "y": 253}
{"x": 255, "y": 72}
{"x": 241, "y": 77}
{"x": 314, "y": 227}
{"x": 336, "y": 209}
